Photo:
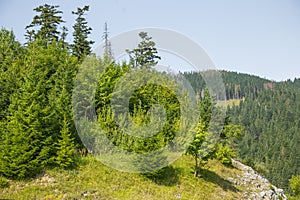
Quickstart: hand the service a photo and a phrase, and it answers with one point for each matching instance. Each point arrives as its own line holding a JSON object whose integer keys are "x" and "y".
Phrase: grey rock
{"x": 257, "y": 186}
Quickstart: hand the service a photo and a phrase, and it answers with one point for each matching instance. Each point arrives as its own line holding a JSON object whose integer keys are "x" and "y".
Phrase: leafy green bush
{"x": 223, "y": 154}
{"x": 3, "y": 182}
{"x": 295, "y": 185}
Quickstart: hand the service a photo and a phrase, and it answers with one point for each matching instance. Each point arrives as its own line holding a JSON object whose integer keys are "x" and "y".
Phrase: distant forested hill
{"x": 270, "y": 115}
{"x": 272, "y": 131}
{"x": 237, "y": 85}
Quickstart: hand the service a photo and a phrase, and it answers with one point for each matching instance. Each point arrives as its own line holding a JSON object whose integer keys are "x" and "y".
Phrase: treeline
{"x": 237, "y": 85}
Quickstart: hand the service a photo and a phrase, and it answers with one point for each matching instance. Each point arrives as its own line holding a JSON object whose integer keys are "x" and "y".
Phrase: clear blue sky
{"x": 260, "y": 37}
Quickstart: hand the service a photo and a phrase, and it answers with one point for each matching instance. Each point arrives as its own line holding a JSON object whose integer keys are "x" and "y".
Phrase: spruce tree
{"x": 81, "y": 46}
{"x": 45, "y": 25}
{"x": 37, "y": 110}
{"x": 27, "y": 140}
{"x": 145, "y": 55}
{"x": 65, "y": 146}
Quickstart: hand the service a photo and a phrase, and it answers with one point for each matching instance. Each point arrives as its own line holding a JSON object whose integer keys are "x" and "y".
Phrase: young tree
{"x": 81, "y": 46}
{"x": 145, "y": 55}
{"x": 205, "y": 146}
{"x": 45, "y": 25}
{"x": 65, "y": 147}
{"x": 195, "y": 147}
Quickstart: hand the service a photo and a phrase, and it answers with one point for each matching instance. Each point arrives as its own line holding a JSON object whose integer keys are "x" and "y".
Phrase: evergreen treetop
{"x": 81, "y": 46}
{"x": 45, "y": 24}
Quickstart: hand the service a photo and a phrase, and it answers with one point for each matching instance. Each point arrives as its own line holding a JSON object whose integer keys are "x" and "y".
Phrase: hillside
{"x": 237, "y": 85}
{"x": 269, "y": 114}
{"x": 59, "y": 102}
{"x": 93, "y": 180}
{"x": 271, "y": 127}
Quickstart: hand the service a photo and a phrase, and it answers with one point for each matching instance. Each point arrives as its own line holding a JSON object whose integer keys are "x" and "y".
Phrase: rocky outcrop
{"x": 256, "y": 186}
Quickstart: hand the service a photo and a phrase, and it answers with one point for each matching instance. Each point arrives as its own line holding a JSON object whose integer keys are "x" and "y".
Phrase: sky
{"x": 260, "y": 37}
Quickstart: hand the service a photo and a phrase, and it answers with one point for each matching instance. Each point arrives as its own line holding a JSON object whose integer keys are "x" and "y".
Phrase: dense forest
{"x": 237, "y": 85}
{"x": 271, "y": 126}
{"x": 43, "y": 100}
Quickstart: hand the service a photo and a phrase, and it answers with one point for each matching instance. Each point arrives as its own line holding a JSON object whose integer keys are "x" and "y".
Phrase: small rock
{"x": 262, "y": 194}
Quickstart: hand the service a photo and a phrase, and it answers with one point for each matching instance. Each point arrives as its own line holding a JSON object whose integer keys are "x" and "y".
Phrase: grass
{"x": 93, "y": 180}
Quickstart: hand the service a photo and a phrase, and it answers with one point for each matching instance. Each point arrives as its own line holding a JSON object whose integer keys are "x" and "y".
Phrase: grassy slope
{"x": 93, "y": 180}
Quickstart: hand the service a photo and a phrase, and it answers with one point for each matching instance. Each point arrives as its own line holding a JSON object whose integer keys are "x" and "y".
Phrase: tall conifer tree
{"x": 81, "y": 46}
{"x": 45, "y": 25}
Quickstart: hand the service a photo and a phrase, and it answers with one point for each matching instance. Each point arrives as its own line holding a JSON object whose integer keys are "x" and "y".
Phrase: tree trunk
{"x": 196, "y": 167}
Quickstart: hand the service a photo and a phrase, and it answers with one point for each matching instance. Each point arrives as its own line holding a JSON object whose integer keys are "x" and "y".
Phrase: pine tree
{"x": 65, "y": 147}
{"x": 27, "y": 142}
{"x": 36, "y": 110}
{"x": 206, "y": 109}
{"x": 195, "y": 147}
{"x": 64, "y": 36}
{"x": 145, "y": 55}
{"x": 206, "y": 144}
{"x": 81, "y": 46}
{"x": 45, "y": 25}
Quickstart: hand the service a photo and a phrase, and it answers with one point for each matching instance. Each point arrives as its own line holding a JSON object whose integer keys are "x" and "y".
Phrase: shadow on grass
{"x": 167, "y": 176}
{"x": 216, "y": 179}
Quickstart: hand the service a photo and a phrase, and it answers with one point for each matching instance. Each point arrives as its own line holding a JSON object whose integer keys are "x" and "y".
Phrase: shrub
{"x": 3, "y": 182}
{"x": 295, "y": 184}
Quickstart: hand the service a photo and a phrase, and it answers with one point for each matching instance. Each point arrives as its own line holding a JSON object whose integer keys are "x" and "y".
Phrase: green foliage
{"x": 140, "y": 103}
{"x": 295, "y": 185}
{"x": 25, "y": 148}
{"x": 292, "y": 197}
{"x": 107, "y": 82}
{"x": 3, "y": 182}
{"x": 36, "y": 83}
{"x": 237, "y": 85}
{"x": 10, "y": 49}
{"x": 271, "y": 123}
{"x": 204, "y": 146}
{"x": 45, "y": 25}
{"x": 228, "y": 144}
{"x": 81, "y": 46}
{"x": 269, "y": 119}
{"x": 33, "y": 124}
{"x": 198, "y": 148}
{"x": 224, "y": 154}
{"x": 65, "y": 147}
{"x": 10, "y": 53}
{"x": 195, "y": 147}
{"x": 145, "y": 55}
